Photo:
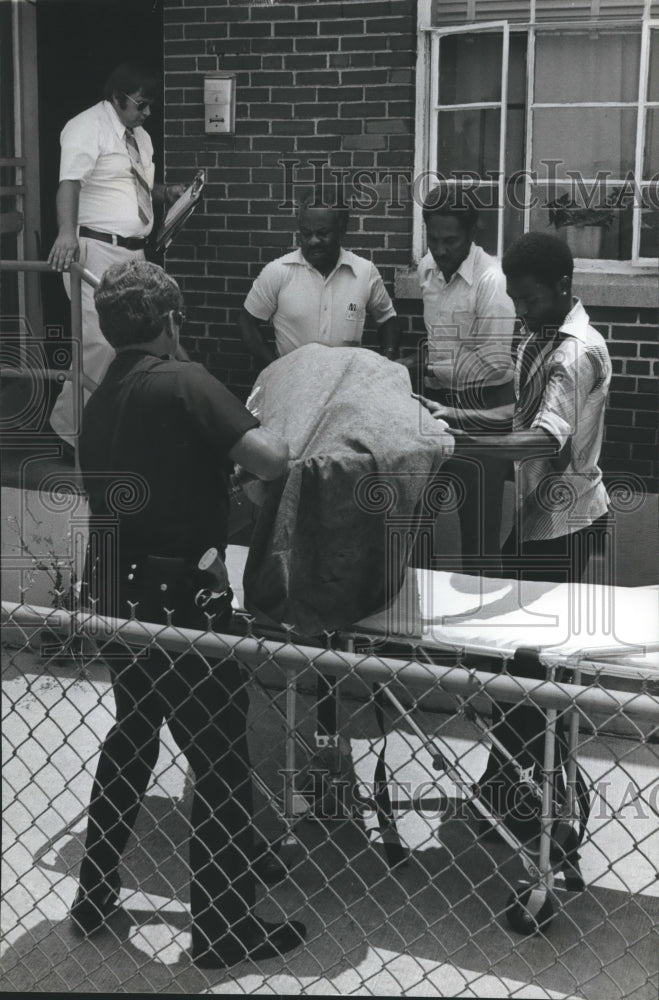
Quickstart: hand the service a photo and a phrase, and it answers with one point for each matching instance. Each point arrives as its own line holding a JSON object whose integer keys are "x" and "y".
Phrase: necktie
{"x": 144, "y": 207}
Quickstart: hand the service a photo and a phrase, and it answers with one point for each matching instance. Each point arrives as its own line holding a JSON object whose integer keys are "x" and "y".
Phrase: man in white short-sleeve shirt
{"x": 320, "y": 293}
{"x": 104, "y": 207}
{"x": 469, "y": 321}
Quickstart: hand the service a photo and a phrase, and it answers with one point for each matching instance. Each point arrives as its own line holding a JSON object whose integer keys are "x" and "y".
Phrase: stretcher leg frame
{"x": 571, "y": 765}
{"x": 456, "y": 775}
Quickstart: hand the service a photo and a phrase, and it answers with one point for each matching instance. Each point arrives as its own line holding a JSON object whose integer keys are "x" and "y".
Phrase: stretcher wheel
{"x": 529, "y": 909}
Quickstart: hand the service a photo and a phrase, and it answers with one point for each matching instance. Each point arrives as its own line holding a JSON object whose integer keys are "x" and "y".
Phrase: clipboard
{"x": 180, "y": 212}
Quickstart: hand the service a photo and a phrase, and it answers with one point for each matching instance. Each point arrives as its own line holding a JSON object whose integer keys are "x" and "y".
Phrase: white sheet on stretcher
{"x": 439, "y": 608}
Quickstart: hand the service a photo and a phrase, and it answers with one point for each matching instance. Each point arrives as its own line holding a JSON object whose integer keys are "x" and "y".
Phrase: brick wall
{"x": 630, "y": 440}
{"x": 322, "y": 82}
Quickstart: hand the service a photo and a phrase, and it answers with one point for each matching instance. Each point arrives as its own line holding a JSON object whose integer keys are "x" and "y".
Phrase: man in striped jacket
{"x": 562, "y": 377}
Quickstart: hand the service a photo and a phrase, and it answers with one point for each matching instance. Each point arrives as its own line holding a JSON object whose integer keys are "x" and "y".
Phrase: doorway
{"x": 79, "y": 42}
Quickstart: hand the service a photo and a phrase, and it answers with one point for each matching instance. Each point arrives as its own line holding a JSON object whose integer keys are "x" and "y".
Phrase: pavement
{"x": 434, "y": 927}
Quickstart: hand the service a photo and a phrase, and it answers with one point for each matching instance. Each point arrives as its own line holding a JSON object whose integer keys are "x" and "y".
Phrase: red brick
{"x": 635, "y": 333}
{"x": 646, "y": 419}
{"x": 315, "y": 44}
{"x": 270, "y": 110}
{"x": 318, "y": 78}
{"x": 317, "y": 110}
{"x": 335, "y": 126}
{"x": 294, "y": 127}
{"x": 373, "y": 78}
{"x": 318, "y": 144}
{"x": 365, "y": 142}
{"x": 371, "y": 9}
{"x": 322, "y": 11}
{"x": 283, "y": 46}
{"x": 638, "y": 367}
{"x": 249, "y": 29}
{"x": 306, "y": 62}
{"x": 295, "y": 28}
{"x": 388, "y": 126}
{"x": 285, "y": 78}
{"x": 363, "y": 109}
{"x": 342, "y": 94}
{"x": 268, "y": 13}
{"x": 618, "y": 349}
{"x": 343, "y": 26}
{"x": 300, "y": 94}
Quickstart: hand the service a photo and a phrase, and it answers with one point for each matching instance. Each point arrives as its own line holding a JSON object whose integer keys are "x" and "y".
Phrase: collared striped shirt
{"x": 562, "y": 386}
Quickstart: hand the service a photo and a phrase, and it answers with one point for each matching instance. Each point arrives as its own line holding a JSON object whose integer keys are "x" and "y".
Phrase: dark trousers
{"x": 205, "y": 706}
{"x": 521, "y": 729}
{"x": 557, "y": 560}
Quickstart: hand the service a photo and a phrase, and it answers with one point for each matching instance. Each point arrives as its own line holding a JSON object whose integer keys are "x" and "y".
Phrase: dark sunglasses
{"x": 140, "y": 105}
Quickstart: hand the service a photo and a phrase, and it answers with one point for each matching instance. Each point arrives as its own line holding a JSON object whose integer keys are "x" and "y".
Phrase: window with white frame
{"x": 552, "y": 123}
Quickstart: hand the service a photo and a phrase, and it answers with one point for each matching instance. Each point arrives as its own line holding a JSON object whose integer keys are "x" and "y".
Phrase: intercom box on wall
{"x": 219, "y": 103}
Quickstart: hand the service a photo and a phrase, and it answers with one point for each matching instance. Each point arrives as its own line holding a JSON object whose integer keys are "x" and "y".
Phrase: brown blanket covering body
{"x": 333, "y": 537}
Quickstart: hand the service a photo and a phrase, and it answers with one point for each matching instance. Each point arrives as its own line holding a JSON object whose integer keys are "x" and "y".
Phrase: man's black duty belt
{"x": 127, "y": 242}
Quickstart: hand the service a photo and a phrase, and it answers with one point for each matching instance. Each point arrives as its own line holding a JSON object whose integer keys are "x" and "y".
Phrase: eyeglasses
{"x": 140, "y": 105}
{"x": 179, "y": 316}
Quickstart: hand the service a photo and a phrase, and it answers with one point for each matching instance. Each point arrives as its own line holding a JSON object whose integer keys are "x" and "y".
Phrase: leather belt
{"x": 127, "y": 242}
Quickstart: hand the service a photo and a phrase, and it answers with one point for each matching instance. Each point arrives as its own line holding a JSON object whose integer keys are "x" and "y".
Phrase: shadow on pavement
{"x": 444, "y": 906}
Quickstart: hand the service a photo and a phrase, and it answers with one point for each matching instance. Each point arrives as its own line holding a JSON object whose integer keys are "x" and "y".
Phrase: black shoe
{"x": 265, "y": 941}
{"x": 91, "y": 909}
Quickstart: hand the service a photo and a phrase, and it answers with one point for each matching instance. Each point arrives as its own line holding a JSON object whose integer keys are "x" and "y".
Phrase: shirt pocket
{"x": 466, "y": 325}
{"x": 355, "y": 314}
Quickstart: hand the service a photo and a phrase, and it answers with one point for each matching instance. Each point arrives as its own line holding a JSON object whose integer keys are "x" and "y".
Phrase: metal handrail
{"x": 253, "y": 651}
{"x": 77, "y": 376}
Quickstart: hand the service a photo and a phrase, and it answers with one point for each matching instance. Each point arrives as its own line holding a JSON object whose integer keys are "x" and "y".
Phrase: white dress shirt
{"x": 305, "y": 307}
{"x": 469, "y": 320}
{"x": 94, "y": 152}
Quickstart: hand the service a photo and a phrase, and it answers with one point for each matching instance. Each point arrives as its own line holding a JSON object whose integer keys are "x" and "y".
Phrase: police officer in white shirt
{"x": 104, "y": 206}
{"x": 320, "y": 293}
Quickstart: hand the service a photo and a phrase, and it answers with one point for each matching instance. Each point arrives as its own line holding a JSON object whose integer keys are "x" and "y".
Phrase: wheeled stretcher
{"x": 567, "y": 634}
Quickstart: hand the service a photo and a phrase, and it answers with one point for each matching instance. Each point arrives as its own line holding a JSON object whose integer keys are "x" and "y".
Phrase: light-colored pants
{"x": 96, "y": 352}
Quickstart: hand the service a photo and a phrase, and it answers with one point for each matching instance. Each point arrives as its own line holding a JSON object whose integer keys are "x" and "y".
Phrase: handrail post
{"x": 76, "y": 365}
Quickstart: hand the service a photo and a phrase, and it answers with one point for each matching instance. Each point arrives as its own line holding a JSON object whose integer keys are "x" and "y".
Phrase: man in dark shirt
{"x": 158, "y": 445}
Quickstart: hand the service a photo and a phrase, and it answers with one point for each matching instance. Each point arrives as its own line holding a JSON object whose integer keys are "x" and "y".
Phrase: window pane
{"x": 653, "y": 78}
{"x": 585, "y": 139}
{"x": 515, "y": 138}
{"x": 651, "y": 151}
{"x": 513, "y": 215}
{"x": 470, "y": 68}
{"x": 649, "y": 246}
{"x": 468, "y": 140}
{"x": 517, "y": 43}
{"x": 574, "y": 67}
{"x": 486, "y": 230}
{"x": 575, "y": 220}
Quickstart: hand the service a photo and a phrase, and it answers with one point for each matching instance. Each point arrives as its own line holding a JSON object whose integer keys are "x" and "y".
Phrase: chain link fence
{"x": 368, "y": 759}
